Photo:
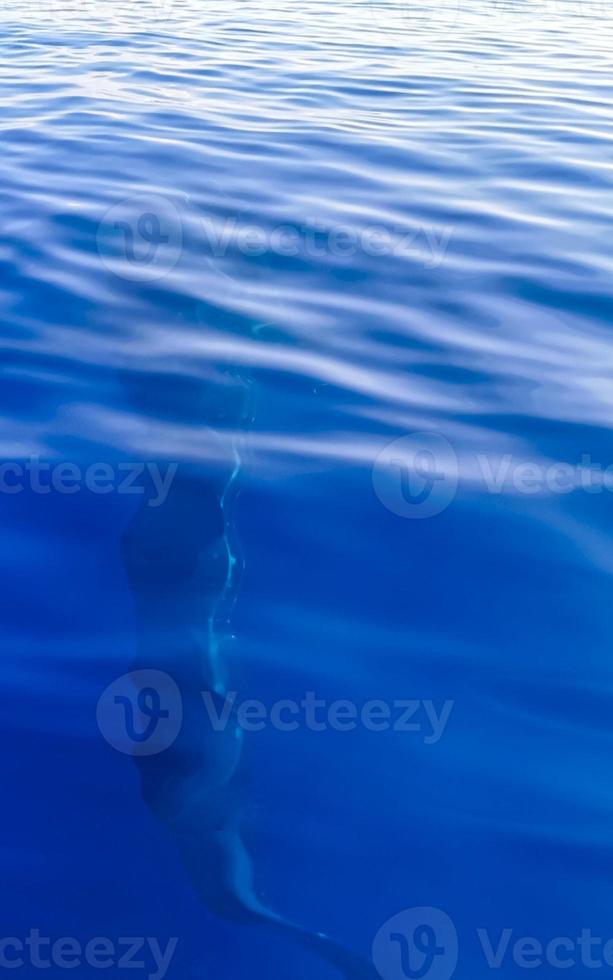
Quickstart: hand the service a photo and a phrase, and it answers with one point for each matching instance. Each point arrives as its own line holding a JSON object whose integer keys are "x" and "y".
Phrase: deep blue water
{"x": 259, "y": 243}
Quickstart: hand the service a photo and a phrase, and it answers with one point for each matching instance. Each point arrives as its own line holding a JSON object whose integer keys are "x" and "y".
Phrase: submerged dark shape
{"x": 179, "y": 566}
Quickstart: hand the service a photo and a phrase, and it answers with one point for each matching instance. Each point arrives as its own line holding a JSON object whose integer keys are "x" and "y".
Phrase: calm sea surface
{"x": 308, "y": 377}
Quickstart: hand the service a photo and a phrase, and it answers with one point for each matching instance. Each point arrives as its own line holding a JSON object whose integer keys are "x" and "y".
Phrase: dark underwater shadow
{"x": 183, "y": 565}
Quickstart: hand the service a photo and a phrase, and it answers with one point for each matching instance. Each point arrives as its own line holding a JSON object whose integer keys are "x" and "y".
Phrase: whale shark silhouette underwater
{"x": 180, "y": 566}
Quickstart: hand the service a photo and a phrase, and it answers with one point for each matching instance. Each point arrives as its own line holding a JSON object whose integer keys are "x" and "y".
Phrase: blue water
{"x": 260, "y": 242}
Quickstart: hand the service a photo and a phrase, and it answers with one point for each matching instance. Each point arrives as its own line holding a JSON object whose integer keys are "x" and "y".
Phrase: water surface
{"x": 292, "y": 234}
